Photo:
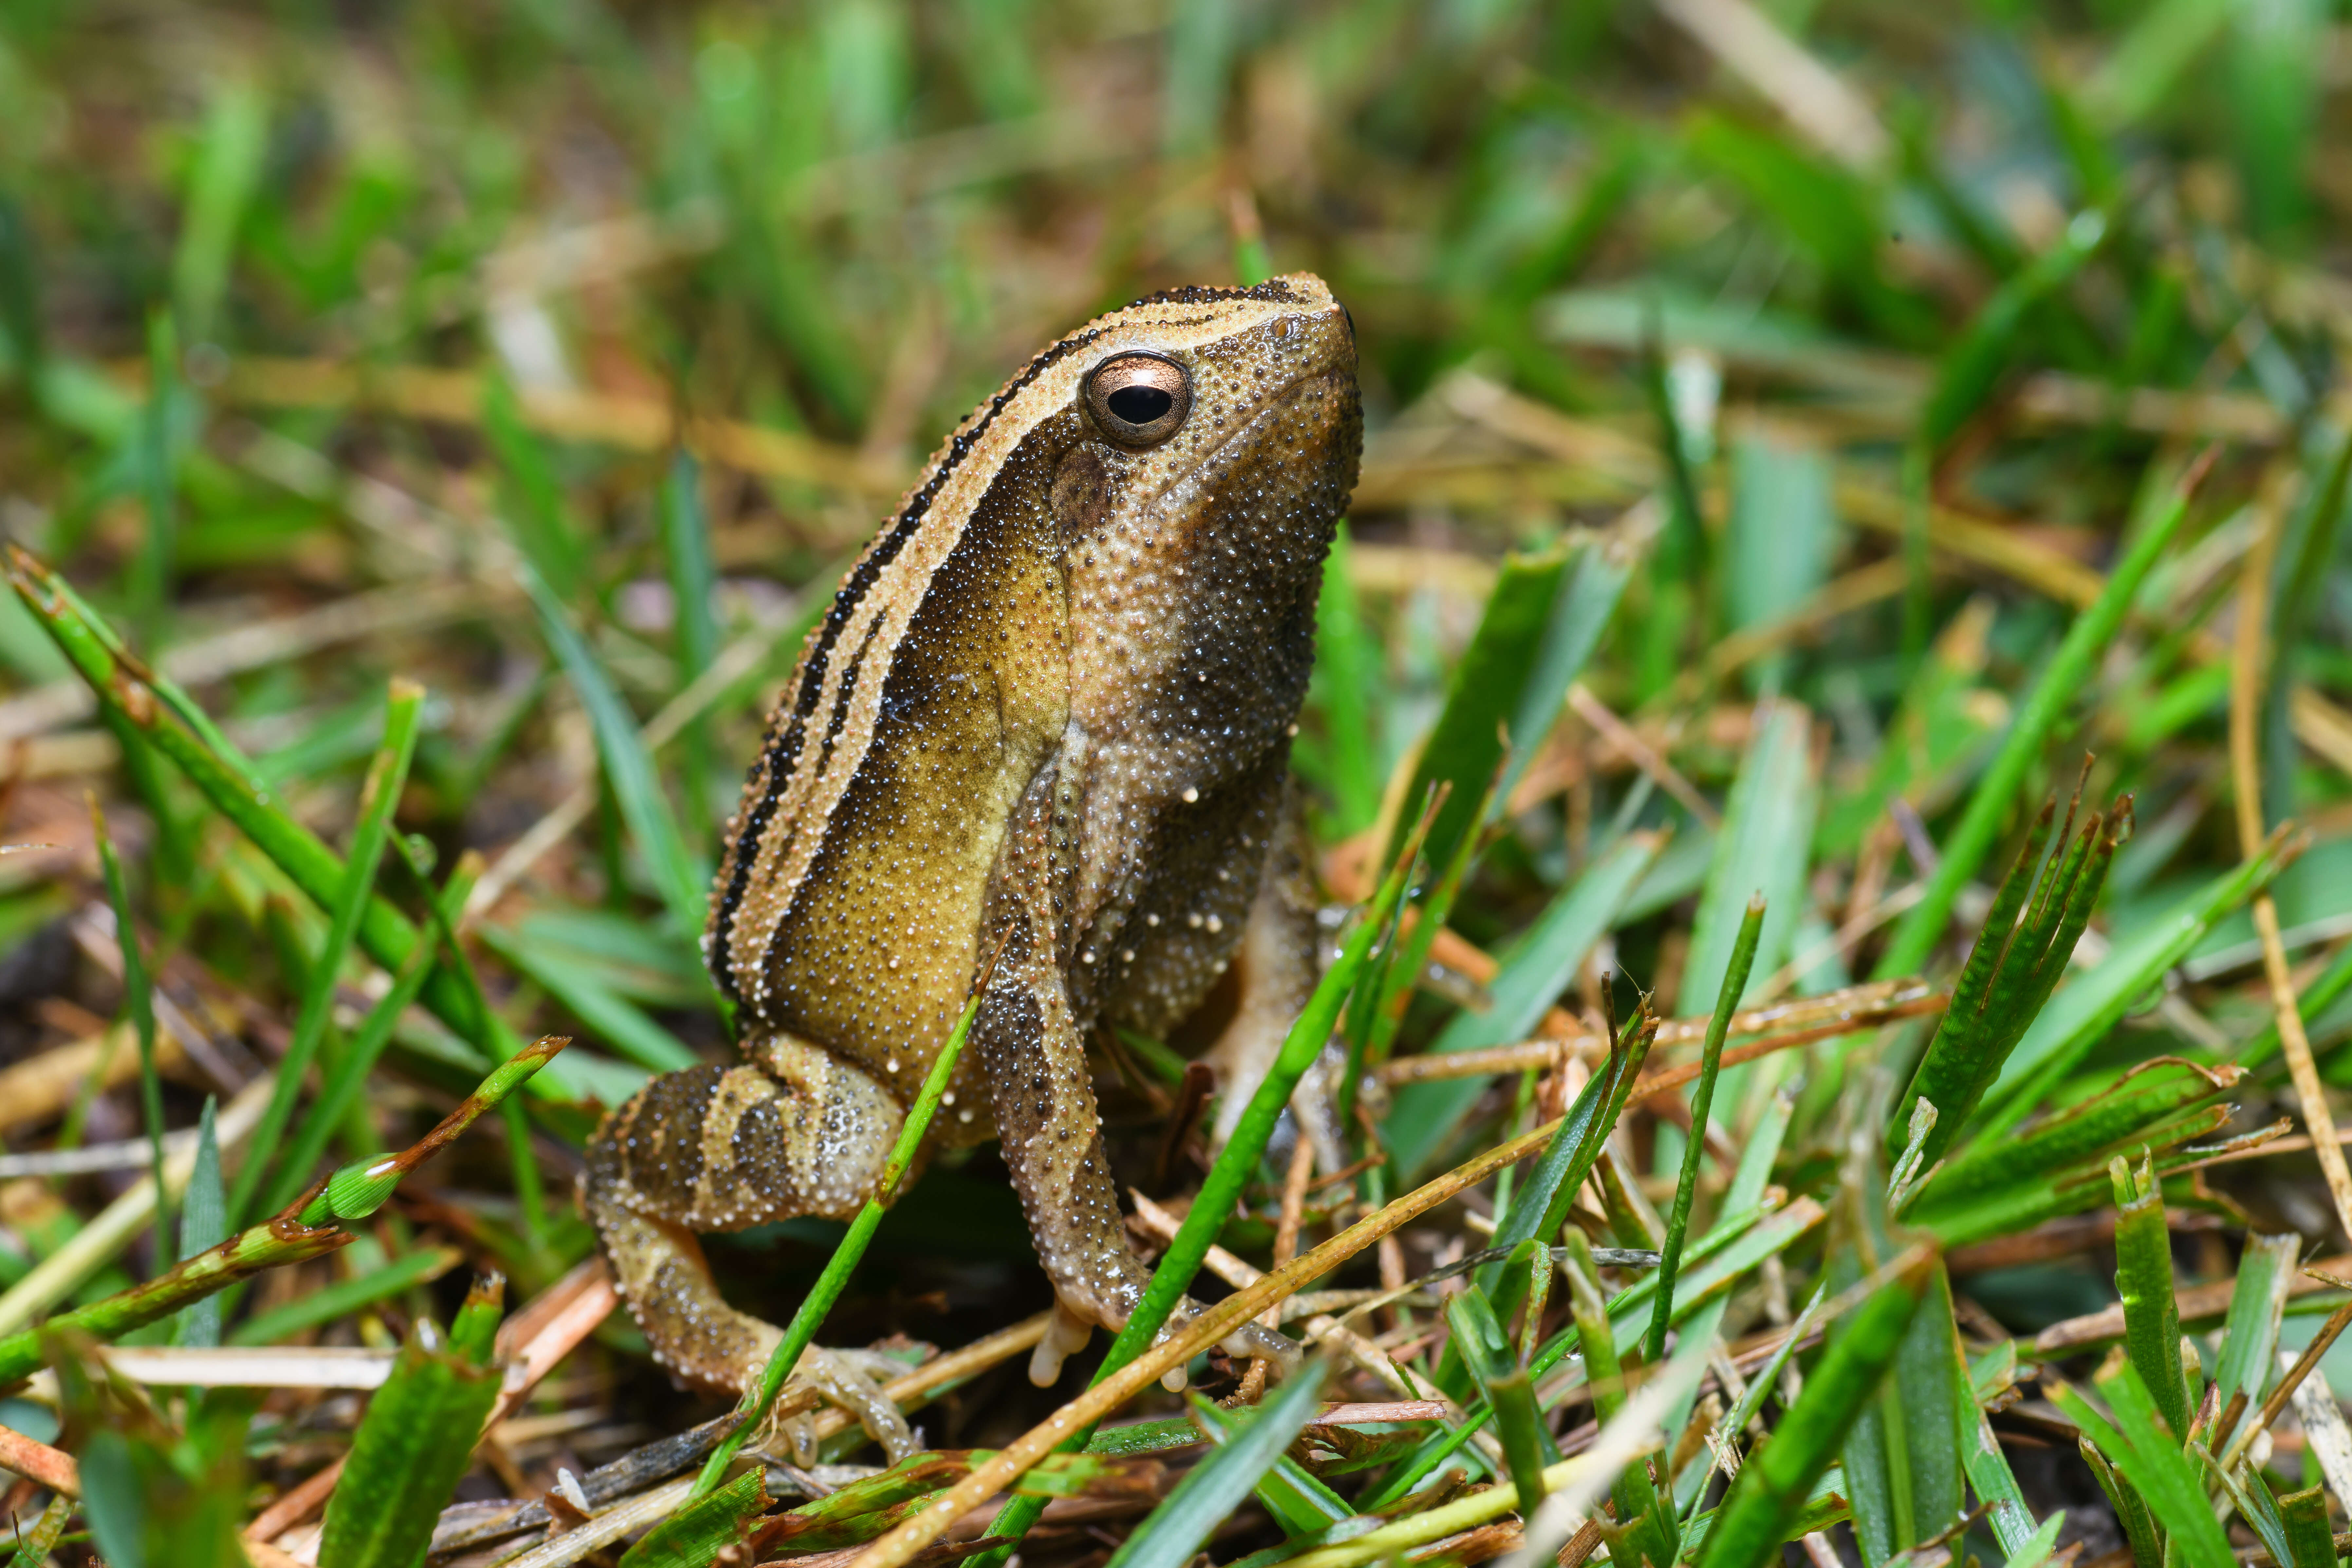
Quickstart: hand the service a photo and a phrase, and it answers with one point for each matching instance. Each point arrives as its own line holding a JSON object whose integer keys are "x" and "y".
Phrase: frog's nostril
{"x": 1350, "y": 317}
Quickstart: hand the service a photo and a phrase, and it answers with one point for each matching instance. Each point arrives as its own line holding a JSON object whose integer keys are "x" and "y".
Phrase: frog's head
{"x": 1229, "y": 410}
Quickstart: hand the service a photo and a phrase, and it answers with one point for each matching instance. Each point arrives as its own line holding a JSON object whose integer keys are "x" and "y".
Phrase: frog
{"x": 1036, "y": 749}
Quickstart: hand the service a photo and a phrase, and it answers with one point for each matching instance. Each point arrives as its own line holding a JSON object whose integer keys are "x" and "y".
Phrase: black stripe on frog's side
{"x": 783, "y": 755}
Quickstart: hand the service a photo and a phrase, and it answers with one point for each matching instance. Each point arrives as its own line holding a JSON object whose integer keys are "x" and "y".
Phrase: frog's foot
{"x": 851, "y": 1379}
{"x": 718, "y": 1149}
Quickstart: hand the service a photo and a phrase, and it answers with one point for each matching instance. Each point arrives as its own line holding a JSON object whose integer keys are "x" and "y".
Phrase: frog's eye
{"x": 1139, "y": 399}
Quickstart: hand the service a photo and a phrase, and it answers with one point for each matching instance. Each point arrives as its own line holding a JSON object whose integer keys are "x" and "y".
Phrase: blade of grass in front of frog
{"x": 801, "y": 1332}
{"x": 693, "y": 585}
{"x": 412, "y": 1446}
{"x": 1230, "y": 1173}
{"x": 2243, "y": 1373}
{"x": 2066, "y": 676}
{"x": 1670, "y": 1256}
{"x": 203, "y": 1225}
{"x": 1753, "y": 1521}
{"x": 679, "y": 879}
{"x": 1542, "y": 1206}
{"x": 139, "y": 1001}
{"x": 1286, "y": 1490}
{"x": 1207, "y": 1496}
{"x": 1482, "y": 1346}
{"x": 1746, "y": 1193}
{"x": 379, "y": 797}
{"x": 697, "y": 1535}
{"x": 1690, "y": 1487}
{"x": 329, "y": 1303}
{"x": 2144, "y": 1282}
{"x": 2151, "y": 1460}
{"x": 1538, "y": 967}
{"x": 1232, "y": 1169}
{"x": 227, "y": 781}
{"x": 270, "y": 1245}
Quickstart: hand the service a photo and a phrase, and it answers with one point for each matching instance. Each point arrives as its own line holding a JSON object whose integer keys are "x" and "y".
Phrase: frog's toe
{"x": 1067, "y": 1332}
{"x": 1255, "y": 1341}
{"x": 852, "y": 1380}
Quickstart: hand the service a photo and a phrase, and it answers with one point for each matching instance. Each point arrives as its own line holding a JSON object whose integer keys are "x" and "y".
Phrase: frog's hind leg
{"x": 1278, "y": 968}
{"x": 716, "y": 1148}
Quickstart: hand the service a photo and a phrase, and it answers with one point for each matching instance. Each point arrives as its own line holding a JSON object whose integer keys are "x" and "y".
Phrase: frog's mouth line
{"x": 1274, "y": 403}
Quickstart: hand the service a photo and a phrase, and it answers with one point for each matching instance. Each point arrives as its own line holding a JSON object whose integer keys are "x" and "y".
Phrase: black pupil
{"x": 1140, "y": 403}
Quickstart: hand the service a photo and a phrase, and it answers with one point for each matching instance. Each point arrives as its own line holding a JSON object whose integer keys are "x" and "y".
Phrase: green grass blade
{"x": 329, "y": 1303}
{"x": 1540, "y": 966}
{"x": 34, "y": 1545}
{"x": 2250, "y": 1335}
{"x": 1344, "y": 693}
{"x": 203, "y": 1225}
{"x": 1763, "y": 849}
{"x": 344, "y": 1082}
{"x": 2037, "y": 719}
{"x": 1973, "y": 367}
{"x": 415, "y": 1444}
{"x": 2079, "y": 1015}
{"x": 694, "y": 641}
{"x": 1479, "y": 1341}
{"x": 535, "y": 515}
{"x": 2310, "y": 1539}
{"x": 2143, "y": 1280}
{"x": 680, "y": 880}
{"x": 228, "y": 163}
{"x": 139, "y": 1001}
{"x": 1230, "y": 1172}
{"x": 1768, "y": 1496}
{"x": 379, "y": 798}
{"x": 696, "y": 1535}
{"x": 1778, "y": 542}
{"x": 2138, "y": 1525}
{"x": 1726, "y": 1002}
{"x": 613, "y": 1018}
{"x": 1540, "y": 624}
{"x": 1289, "y": 1491}
{"x": 1212, "y": 1490}
{"x": 2152, "y": 1462}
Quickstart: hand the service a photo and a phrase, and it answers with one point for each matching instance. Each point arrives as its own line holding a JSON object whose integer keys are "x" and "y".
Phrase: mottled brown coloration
{"x": 1051, "y": 706}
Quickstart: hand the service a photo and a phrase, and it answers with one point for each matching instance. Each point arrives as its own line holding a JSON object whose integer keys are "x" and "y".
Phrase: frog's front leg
{"x": 713, "y": 1149}
{"x": 1032, "y": 1054}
